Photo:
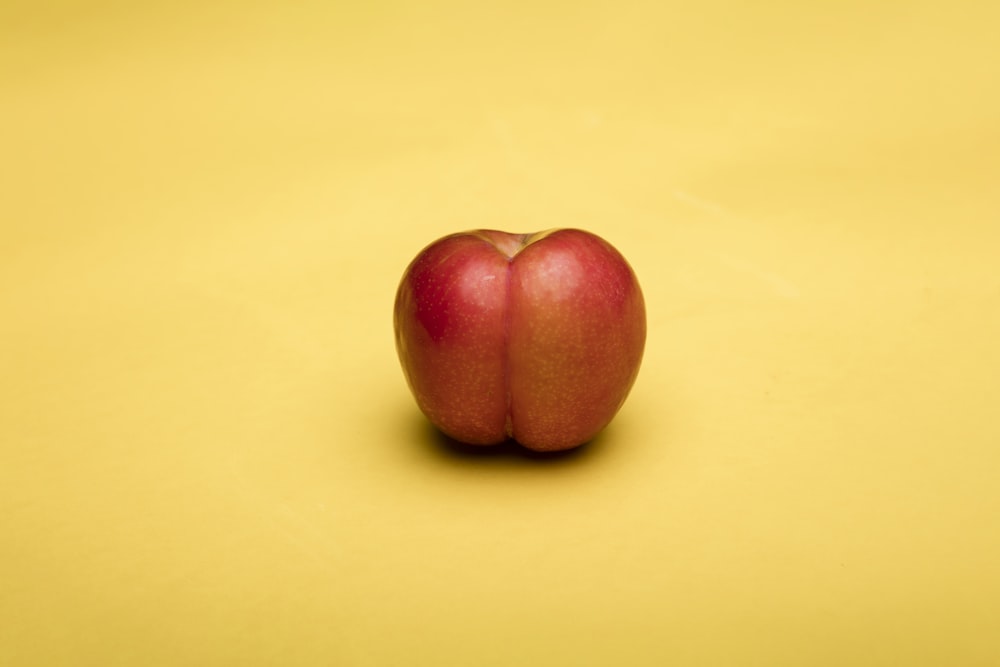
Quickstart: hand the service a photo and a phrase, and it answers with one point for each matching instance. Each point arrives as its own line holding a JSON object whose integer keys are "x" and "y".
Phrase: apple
{"x": 534, "y": 337}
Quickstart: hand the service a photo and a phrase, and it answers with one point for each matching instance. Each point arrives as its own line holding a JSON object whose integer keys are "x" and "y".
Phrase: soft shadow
{"x": 510, "y": 451}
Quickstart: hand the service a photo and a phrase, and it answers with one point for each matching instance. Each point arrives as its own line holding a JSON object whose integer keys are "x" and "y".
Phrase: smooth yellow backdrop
{"x": 208, "y": 454}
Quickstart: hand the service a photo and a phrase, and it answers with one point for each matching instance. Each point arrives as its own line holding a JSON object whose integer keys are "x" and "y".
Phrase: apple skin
{"x": 535, "y": 337}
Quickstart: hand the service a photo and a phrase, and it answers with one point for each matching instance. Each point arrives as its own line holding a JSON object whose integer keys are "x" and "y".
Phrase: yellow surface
{"x": 208, "y": 454}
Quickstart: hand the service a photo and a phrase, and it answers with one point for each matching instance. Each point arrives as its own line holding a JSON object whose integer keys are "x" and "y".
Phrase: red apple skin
{"x": 535, "y": 337}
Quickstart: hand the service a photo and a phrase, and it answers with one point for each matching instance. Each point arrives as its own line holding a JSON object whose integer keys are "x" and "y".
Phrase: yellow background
{"x": 208, "y": 454}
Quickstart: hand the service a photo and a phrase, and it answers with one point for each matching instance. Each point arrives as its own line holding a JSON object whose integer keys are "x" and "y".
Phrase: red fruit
{"x": 535, "y": 337}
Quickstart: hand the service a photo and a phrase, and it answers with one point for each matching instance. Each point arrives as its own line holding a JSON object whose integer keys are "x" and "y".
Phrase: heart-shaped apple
{"x": 535, "y": 337}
